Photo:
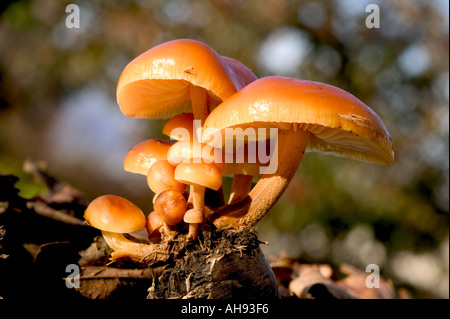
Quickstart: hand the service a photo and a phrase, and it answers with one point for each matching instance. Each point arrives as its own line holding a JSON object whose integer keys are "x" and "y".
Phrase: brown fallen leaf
{"x": 101, "y": 282}
{"x": 312, "y": 284}
{"x": 355, "y": 283}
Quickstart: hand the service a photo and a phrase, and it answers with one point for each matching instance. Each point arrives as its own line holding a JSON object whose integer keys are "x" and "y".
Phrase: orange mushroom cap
{"x": 156, "y": 83}
{"x": 114, "y": 214}
{"x": 170, "y": 205}
{"x": 192, "y": 151}
{"x": 339, "y": 123}
{"x": 143, "y": 155}
{"x": 203, "y": 174}
{"x": 244, "y": 75}
{"x": 154, "y": 222}
{"x": 183, "y": 121}
{"x": 161, "y": 176}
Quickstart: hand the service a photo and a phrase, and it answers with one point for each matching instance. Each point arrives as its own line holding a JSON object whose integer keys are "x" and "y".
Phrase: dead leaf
{"x": 310, "y": 283}
{"x": 101, "y": 282}
{"x": 355, "y": 283}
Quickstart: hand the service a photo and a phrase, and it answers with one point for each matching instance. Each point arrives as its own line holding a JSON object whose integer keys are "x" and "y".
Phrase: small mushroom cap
{"x": 156, "y": 83}
{"x": 203, "y": 174}
{"x": 181, "y": 121}
{"x": 192, "y": 151}
{"x": 339, "y": 123}
{"x": 170, "y": 205}
{"x": 161, "y": 176}
{"x": 143, "y": 155}
{"x": 154, "y": 222}
{"x": 115, "y": 214}
{"x": 193, "y": 216}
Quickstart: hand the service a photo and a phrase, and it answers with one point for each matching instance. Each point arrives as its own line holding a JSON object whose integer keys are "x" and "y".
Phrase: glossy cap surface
{"x": 115, "y": 214}
{"x": 339, "y": 123}
{"x": 156, "y": 83}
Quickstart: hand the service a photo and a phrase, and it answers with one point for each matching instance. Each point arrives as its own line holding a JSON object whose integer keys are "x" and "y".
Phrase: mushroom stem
{"x": 199, "y": 197}
{"x": 240, "y": 187}
{"x": 169, "y": 232}
{"x": 200, "y": 105}
{"x": 123, "y": 247}
{"x": 193, "y": 231}
{"x": 117, "y": 241}
{"x": 290, "y": 147}
{"x": 199, "y": 204}
{"x": 190, "y": 200}
{"x": 200, "y": 108}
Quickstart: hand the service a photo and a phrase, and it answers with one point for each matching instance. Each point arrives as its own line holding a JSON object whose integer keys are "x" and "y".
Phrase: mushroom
{"x": 179, "y": 76}
{"x": 309, "y": 116}
{"x": 170, "y": 205}
{"x": 192, "y": 151}
{"x": 154, "y": 223}
{"x": 200, "y": 176}
{"x": 181, "y": 128}
{"x": 161, "y": 176}
{"x": 114, "y": 216}
{"x": 143, "y": 155}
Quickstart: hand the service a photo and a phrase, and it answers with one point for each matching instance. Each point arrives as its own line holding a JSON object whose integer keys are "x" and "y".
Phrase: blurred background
{"x": 57, "y": 104}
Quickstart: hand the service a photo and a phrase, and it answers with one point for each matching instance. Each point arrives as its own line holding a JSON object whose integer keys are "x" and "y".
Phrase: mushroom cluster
{"x": 204, "y": 96}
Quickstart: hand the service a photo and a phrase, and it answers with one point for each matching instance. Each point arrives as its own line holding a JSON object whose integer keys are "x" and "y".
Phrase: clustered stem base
{"x": 224, "y": 264}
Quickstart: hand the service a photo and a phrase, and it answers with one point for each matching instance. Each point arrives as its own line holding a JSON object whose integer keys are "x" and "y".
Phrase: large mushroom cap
{"x": 339, "y": 123}
{"x": 114, "y": 214}
{"x": 156, "y": 83}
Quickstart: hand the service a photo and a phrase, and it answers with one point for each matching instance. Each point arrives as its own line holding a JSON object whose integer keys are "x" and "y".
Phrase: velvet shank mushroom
{"x": 176, "y": 77}
{"x": 154, "y": 223}
{"x": 200, "y": 176}
{"x": 309, "y": 116}
{"x": 181, "y": 127}
{"x": 161, "y": 176}
{"x": 170, "y": 205}
{"x": 114, "y": 216}
{"x": 143, "y": 155}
